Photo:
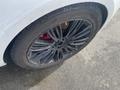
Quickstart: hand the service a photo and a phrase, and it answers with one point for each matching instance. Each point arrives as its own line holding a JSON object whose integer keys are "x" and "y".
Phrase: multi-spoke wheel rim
{"x": 60, "y": 42}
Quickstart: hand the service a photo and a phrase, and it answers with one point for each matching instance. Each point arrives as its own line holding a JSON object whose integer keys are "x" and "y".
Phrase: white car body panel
{"x": 15, "y": 15}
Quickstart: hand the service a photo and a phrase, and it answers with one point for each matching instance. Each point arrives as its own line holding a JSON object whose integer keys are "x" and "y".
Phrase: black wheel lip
{"x": 53, "y": 44}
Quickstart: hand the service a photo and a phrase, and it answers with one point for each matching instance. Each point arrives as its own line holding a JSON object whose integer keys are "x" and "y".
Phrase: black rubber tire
{"x": 25, "y": 38}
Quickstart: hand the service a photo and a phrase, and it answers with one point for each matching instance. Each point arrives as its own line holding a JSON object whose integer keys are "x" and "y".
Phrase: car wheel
{"x": 57, "y": 36}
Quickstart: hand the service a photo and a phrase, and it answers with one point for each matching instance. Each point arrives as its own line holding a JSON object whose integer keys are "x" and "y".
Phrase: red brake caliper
{"x": 45, "y": 37}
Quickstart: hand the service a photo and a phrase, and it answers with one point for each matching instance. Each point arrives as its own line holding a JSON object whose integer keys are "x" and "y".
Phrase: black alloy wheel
{"x": 59, "y": 42}
{"x": 57, "y": 36}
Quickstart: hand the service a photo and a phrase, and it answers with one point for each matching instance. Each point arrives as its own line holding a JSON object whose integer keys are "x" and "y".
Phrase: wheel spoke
{"x": 78, "y": 26}
{"x": 60, "y": 55}
{"x": 53, "y": 35}
{"x": 74, "y": 28}
{"x": 40, "y": 46}
{"x": 41, "y": 43}
{"x": 39, "y": 56}
{"x": 77, "y": 43}
{"x": 35, "y": 55}
{"x": 56, "y": 56}
{"x": 82, "y": 33}
{"x": 49, "y": 57}
{"x": 59, "y": 33}
{"x": 67, "y": 50}
{"x": 72, "y": 47}
{"x": 35, "y": 49}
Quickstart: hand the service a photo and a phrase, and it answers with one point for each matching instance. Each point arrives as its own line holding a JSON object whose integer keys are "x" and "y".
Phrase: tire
{"x": 23, "y": 41}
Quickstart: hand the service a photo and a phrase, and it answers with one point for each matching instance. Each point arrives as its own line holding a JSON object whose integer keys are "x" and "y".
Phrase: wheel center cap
{"x": 59, "y": 44}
